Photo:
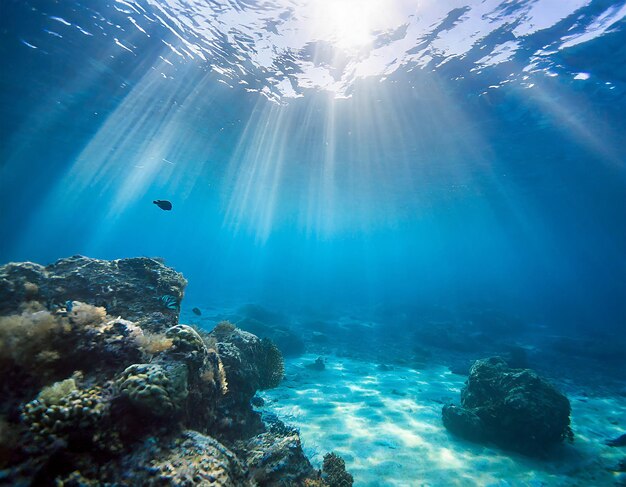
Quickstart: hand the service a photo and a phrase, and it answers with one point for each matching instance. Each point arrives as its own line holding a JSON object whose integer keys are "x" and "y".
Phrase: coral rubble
{"x": 514, "y": 408}
{"x": 102, "y": 385}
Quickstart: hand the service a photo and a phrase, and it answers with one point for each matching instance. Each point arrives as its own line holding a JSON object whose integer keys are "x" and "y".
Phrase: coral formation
{"x": 38, "y": 346}
{"x": 131, "y": 288}
{"x": 187, "y": 344}
{"x": 154, "y": 343}
{"x": 223, "y": 330}
{"x": 334, "y": 471}
{"x": 276, "y": 459}
{"x": 138, "y": 396}
{"x": 271, "y": 365}
{"x": 155, "y": 389}
{"x": 514, "y": 408}
{"x": 65, "y": 412}
{"x": 189, "y": 458}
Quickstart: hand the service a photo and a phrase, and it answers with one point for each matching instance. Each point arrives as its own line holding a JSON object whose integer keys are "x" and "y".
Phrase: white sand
{"x": 387, "y": 426}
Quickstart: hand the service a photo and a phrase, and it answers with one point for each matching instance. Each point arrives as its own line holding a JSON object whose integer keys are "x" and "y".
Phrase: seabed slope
{"x": 387, "y": 425}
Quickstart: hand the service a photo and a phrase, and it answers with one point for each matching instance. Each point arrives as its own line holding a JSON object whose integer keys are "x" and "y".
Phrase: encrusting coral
{"x": 154, "y": 389}
{"x": 74, "y": 415}
{"x": 149, "y": 399}
{"x": 187, "y": 345}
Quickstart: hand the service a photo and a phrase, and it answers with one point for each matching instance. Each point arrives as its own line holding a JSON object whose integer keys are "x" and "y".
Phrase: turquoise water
{"x": 397, "y": 163}
{"x": 338, "y": 156}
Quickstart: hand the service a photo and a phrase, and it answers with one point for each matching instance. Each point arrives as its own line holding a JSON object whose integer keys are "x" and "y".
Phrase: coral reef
{"x": 187, "y": 345}
{"x": 102, "y": 386}
{"x": 38, "y": 347}
{"x": 514, "y": 408}
{"x": 250, "y": 363}
{"x": 131, "y": 288}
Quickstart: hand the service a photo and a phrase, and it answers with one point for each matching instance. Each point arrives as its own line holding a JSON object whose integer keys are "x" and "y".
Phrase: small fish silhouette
{"x": 196, "y": 311}
{"x": 163, "y": 204}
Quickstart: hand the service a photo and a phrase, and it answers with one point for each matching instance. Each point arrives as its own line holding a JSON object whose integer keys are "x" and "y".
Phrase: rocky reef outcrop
{"x": 513, "y": 408}
{"x": 142, "y": 290}
{"x": 101, "y": 385}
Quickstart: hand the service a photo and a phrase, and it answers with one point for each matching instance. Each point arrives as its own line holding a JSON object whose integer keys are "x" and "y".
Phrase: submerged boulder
{"x": 464, "y": 422}
{"x": 187, "y": 459}
{"x": 250, "y": 364}
{"x": 265, "y": 323}
{"x": 276, "y": 458}
{"x": 514, "y": 408}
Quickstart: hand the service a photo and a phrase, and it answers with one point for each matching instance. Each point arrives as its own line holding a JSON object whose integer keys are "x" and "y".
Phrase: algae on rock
{"x": 136, "y": 395}
{"x": 514, "y": 408}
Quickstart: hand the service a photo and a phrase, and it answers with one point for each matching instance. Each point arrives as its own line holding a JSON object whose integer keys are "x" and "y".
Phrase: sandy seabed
{"x": 387, "y": 425}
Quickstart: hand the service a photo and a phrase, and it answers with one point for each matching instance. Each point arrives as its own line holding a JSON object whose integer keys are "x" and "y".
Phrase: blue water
{"x": 442, "y": 157}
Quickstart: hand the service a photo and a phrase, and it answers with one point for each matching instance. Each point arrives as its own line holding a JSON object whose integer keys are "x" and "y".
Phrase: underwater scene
{"x": 315, "y": 243}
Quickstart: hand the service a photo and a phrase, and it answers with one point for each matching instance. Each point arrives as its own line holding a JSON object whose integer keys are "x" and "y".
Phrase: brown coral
{"x": 223, "y": 329}
{"x": 83, "y": 314}
{"x": 24, "y": 336}
{"x": 154, "y": 343}
{"x": 65, "y": 412}
{"x": 159, "y": 390}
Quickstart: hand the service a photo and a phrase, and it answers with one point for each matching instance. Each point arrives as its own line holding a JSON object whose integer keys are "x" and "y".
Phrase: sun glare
{"x": 350, "y": 23}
